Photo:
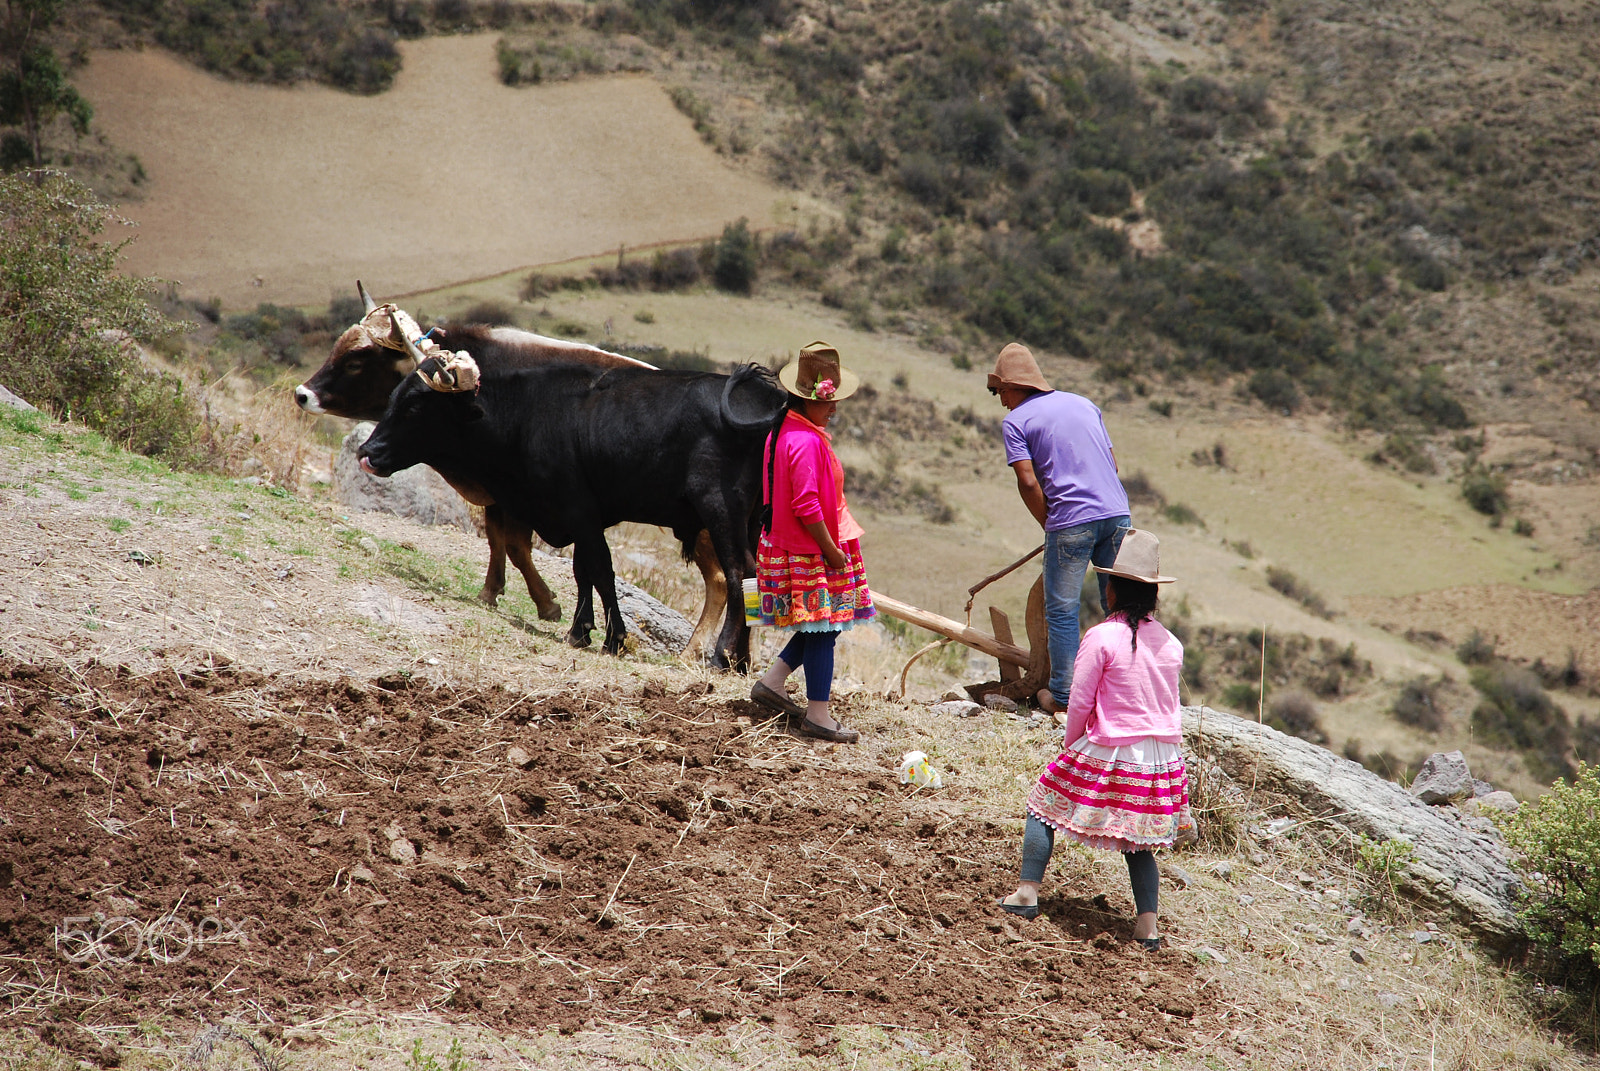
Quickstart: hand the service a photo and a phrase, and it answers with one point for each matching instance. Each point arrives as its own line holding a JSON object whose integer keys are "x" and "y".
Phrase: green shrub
{"x": 1407, "y": 452}
{"x": 1141, "y": 492}
{"x": 1384, "y": 863}
{"x": 364, "y": 62}
{"x": 343, "y": 45}
{"x": 1558, "y": 838}
{"x": 1485, "y": 491}
{"x": 1286, "y": 583}
{"x": 1516, "y": 712}
{"x": 1476, "y": 650}
{"x": 1418, "y": 705}
{"x": 1178, "y": 513}
{"x": 733, "y": 265}
{"x": 1276, "y": 389}
{"x": 66, "y": 314}
{"x": 1244, "y": 698}
{"x": 1294, "y": 713}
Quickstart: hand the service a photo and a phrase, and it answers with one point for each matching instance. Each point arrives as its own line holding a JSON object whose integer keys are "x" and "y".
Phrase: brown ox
{"x": 369, "y": 360}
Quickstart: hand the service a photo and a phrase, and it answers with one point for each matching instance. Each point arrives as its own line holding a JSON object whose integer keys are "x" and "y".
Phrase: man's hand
{"x": 1032, "y": 494}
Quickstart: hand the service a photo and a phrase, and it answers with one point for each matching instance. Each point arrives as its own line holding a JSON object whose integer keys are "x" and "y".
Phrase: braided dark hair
{"x": 792, "y": 403}
{"x": 1136, "y": 603}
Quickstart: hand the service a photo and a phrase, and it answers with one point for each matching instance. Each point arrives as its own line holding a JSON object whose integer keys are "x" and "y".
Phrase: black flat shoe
{"x": 837, "y": 734}
{"x": 775, "y": 700}
{"x": 1024, "y": 911}
{"x": 1151, "y": 944}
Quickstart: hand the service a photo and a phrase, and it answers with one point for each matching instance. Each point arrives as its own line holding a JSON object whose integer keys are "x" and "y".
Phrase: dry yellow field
{"x": 263, "y": 193}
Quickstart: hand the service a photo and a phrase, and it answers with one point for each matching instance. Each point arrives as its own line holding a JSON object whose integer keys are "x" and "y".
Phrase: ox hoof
{"x": 489, "y": 598}
{"x": 574, "y": 640}
{"x": 550, "y": 613}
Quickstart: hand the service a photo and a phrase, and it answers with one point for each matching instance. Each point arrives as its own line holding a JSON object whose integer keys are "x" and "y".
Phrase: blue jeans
{"x": 1067, "y": 554}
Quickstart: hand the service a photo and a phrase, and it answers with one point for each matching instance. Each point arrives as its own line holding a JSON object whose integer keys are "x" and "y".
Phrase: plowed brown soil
{"x": 232, "y": 845}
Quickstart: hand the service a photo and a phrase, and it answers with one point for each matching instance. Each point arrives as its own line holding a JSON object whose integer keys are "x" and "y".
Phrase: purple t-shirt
{"x": 1065, "y": 437}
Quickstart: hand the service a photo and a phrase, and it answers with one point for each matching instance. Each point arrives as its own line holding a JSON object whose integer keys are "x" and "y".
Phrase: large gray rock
{"x": 418, "y": 493}
{"x": 1444, "y": 778}
{"x": 7, "y": 398}
{"x": 656, "y": 623}
{"x": 1466, "y": 873}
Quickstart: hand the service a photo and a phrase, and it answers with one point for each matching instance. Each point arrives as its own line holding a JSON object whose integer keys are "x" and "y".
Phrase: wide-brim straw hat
{"x": 1139, "y": 558}
{"x": 818, "y": 366}
{"x": 1015, "y": 367}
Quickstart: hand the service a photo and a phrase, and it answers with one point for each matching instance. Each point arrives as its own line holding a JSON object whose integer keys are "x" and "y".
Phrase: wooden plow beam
{"x": 1022, "y": 672}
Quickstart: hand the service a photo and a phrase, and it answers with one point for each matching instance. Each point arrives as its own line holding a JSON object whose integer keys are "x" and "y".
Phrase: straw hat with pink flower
{"x": 818, "y": 376}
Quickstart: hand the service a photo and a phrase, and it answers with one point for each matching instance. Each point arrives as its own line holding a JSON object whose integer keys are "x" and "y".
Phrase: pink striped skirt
{"x": 1124, "y": 799}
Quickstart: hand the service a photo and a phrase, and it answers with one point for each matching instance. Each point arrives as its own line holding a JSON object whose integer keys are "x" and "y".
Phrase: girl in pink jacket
{"x": 1120, "y": 784}
{"x": 808, "y": 564}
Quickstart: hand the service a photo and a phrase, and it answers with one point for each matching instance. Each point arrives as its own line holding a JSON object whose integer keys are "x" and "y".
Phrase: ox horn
{"x": 398, "y": 334}
{"x": 366, "y": 298}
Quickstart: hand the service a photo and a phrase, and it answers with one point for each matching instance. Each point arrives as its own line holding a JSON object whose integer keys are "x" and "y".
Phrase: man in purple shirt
{"x": 1056, "y": 442}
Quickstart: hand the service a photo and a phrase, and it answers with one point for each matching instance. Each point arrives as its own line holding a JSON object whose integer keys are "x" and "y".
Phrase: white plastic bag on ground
{"x": 915, "y": 770}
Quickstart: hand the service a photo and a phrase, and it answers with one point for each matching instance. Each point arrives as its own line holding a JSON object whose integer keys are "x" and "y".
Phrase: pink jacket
{"x": 1120, "y": 696}
{"x": 808, "y": 486}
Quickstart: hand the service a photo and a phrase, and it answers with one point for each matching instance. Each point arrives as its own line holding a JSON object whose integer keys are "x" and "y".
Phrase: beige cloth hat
{"x": 1139, "y": 558}
{"x": 817, "y": 367}
{"x": 1015, "y": 367}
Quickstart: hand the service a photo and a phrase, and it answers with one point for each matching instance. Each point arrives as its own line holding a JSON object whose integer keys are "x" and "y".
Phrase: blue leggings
{"x": 1038, "y": 840}
{"x": 814, "y": 650}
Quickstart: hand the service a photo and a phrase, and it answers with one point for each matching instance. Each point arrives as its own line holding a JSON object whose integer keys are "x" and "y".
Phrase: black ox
{"x": 370, "y": 359}
{"x": 571, "y": 450}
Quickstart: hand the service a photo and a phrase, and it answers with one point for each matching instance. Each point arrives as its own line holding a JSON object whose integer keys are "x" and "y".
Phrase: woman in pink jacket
{"x": 808, "y": 565}
{"x": 1120, "y": 784}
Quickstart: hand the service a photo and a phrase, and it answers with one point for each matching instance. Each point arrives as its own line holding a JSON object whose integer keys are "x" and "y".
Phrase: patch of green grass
{"x": 118, "y": 524}
{"x": 23, "y": 421}
{"x": 452, "y": 578}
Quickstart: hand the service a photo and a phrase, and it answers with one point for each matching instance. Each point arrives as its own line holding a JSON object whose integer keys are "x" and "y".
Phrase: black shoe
{"x": 775, "y": 700}
{"x": 1151, "y": 944}
{"x": 836, "y": 733}
{"x": 1025, "y": 911}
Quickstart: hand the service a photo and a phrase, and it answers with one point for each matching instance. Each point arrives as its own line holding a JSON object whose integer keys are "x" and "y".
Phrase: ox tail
{"x": 752, "y": 399}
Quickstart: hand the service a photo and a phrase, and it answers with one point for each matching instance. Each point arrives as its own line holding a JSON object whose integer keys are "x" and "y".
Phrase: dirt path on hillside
{"x": 263, "y": 193}
{"x": 261, "y": 852}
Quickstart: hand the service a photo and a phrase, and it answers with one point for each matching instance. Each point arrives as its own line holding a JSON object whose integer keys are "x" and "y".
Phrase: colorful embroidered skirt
{"x": 799, "y": 591}
{"x": 1123, "y": 799}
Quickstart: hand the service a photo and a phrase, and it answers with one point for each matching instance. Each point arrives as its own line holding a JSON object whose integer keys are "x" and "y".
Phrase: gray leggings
{"x": 1039, "y": 840}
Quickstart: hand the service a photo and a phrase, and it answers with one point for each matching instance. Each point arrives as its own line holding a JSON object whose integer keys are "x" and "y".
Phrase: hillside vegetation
{"x": 1305, "y": 192}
